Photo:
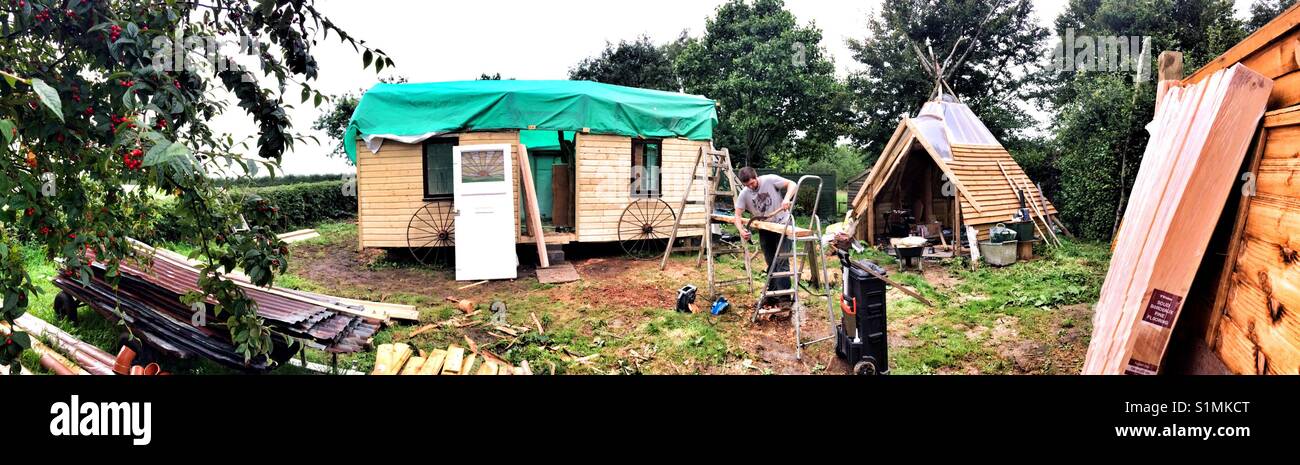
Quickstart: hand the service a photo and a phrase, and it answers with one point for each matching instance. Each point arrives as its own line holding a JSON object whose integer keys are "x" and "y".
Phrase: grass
{"x": 991, "y": 311}
{"x": 980, "y": 321}
{"x": 93, "y": 329}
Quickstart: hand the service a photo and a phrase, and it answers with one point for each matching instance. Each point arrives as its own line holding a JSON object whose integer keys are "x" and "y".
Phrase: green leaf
{"x": 366, "y": 58}
{"x": 11, "y": 80}
{"x": 21, "y": 338}
{"x": 48, "y": 96}
{"x": 167, "y": 153}
{"x": 7, "y": 128}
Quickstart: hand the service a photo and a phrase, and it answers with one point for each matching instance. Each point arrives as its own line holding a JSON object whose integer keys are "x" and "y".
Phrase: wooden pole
{"x": 1013, "y": 190}
{"x": 534, "y": 212}
{"x": 858, "y": 264}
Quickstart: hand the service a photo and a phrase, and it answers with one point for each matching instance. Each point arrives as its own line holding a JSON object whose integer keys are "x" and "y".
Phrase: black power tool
{"x": 861, "y": 338}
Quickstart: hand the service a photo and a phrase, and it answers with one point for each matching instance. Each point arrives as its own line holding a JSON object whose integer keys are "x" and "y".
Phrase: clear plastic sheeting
{"x": 944, "y": 123}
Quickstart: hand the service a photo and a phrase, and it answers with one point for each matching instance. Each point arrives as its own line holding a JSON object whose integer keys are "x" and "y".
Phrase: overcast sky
{"x": 522, "y": 39}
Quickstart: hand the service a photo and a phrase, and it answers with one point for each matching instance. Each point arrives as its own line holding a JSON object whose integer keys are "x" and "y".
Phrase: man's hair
{"x": 746, "y": 174}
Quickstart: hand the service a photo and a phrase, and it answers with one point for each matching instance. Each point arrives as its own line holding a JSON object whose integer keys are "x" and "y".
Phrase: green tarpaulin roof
{"x": 543, "y": 140}
{"x": 412, "y": 112}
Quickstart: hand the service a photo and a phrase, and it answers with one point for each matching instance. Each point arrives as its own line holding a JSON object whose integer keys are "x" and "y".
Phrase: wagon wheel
{"x": 644, "y": 227}
{"x": 431, "y": 233}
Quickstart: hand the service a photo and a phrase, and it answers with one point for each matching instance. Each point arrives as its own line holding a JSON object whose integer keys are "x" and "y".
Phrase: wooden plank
{"x": 487, "y": 368}
{"x": 389, "y": 358}
{"x": 1162, "y": 247}
{"x": 433, "y": 362}
{"x": 534, "y": 212}
{"x": 1287, "y": 91}
{"x": 1172, "y": 122}
{"x": 561, "y": 273}
{"x": 467, "y": 366}
{"x": 766, "y": 226}
{"x": 454, "y": 360}
{"x": 413, "y": 366}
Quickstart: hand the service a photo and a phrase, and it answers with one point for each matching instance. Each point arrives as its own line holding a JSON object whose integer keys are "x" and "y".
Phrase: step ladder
{"x": 717, "y": 164}
{"x": 789, "y": 250}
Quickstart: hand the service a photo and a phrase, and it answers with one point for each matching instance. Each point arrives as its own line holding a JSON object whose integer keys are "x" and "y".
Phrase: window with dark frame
{"x": 647, "y": 164}
{"x": 438, "y": 181}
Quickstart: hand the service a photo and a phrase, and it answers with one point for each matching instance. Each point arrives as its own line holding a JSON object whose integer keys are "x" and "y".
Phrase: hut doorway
{"x": 912, "y": 202}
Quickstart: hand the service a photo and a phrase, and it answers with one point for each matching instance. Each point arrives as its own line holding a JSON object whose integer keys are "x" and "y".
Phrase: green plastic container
{"x": 1024, "y": 230}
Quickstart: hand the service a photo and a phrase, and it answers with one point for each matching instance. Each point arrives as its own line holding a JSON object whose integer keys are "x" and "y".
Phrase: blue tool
{"x": 720, "y": 306}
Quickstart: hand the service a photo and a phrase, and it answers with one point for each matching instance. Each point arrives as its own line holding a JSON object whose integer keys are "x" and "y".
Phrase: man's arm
{"x": 790, "y": 190}
{"x": 740, "y": 225}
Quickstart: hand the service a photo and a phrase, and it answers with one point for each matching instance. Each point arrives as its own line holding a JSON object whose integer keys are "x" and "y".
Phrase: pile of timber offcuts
{"x": 150, "y": 303}
{"x": 1199, "y": 138}
{"x": 401, "y": 359}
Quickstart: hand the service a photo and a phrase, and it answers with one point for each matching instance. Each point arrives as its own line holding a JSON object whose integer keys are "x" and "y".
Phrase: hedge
{"x": 305, "y": 205}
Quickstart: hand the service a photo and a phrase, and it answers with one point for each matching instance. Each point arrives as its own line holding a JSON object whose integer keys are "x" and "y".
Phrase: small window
{"x": 647, "y": 161}
{"x": 437, "y": 167}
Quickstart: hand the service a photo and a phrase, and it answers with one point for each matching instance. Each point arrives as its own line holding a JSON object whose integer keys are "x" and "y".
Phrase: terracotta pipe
{"x": 66, "y": 341}
{"x": 50, "y": 363}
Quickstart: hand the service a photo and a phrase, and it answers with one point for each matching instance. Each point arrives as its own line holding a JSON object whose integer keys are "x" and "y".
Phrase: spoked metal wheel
{"x": 644, "y": 227}
{"x": 431, "y": 234}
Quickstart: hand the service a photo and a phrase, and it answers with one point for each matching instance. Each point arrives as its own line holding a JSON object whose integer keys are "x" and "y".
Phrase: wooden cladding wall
{"x": 1256, "y": 326}
{"x": 1254, "y": 322}
{"x": 390, "y": 187}
{"x": 604, "y": 173}
{"x": 977, "y": 168}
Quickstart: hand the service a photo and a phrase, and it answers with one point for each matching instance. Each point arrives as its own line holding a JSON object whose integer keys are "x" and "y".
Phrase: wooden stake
{"x": 538, "y": 323}
{"x": 534, "y": 212}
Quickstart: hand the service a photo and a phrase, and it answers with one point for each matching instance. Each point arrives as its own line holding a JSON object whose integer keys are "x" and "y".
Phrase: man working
{"x": 759, "y": 198}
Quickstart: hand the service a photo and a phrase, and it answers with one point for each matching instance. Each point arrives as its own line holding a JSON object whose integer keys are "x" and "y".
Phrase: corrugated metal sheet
{"x": 149, "y": 302}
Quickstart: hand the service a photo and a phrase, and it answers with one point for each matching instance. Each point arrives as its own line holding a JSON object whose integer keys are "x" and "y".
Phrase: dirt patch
{"x": 1074, "y": 323}
{"x": 1004, "y": 330}
{"x": 340, "y": 266}
{"x": 939, "y": 277}
{"x": 625, "y": 295}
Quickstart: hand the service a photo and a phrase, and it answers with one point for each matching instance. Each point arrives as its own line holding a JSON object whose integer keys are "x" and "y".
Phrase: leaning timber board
{"x": 1171, "y": 217}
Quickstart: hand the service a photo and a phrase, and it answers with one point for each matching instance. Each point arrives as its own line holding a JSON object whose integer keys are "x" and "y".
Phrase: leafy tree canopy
{"x": 98, "y": 115}
{"x": 1000, "y": 42}
{"x": 770, "y": 76}
{"x": 639, "y": 63}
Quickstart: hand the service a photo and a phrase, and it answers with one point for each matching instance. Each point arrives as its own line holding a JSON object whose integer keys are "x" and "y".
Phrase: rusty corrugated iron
{"x": 149, "y": 303}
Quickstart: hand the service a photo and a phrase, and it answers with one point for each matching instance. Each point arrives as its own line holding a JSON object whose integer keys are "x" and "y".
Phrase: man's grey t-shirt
{"x": 766, "y": 199}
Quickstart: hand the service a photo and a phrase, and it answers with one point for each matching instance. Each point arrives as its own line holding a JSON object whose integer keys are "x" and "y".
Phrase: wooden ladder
{"x": 718, "y": 164}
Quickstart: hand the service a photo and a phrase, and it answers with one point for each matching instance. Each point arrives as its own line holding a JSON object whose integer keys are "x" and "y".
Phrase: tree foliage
{"x": 1000, "y": 42}
{"x": 96, "y": 119}
{"x": 772, "y": 80}
{"x": 639, "y": 63}
{"x": 1263, "y": 11}
{"x": 334, "y": 120}
{"x": 1099, "y": 132}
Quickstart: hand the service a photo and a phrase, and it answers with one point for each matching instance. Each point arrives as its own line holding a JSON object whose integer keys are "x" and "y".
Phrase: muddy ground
{"x": 617, "y": 299}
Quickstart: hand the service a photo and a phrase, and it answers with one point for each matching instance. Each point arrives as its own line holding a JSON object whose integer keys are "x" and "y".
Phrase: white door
{"x": 485, "y": 213}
